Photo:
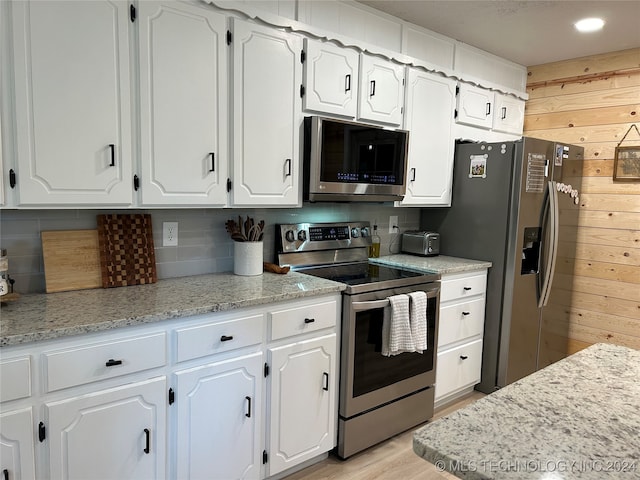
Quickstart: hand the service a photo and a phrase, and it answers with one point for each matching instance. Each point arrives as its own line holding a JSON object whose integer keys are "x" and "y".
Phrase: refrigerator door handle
{"x": 551, "y": 211}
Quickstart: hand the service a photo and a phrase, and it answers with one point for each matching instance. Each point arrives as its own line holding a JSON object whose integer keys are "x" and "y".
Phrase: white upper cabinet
{"x": 475, "y": 106}
{"x": 183, "y": 104}
{"x": 429, "y": 119}
{"x": 508, "y": 115}
{"x": 267, "y": 116}
{"x": 330, "y": 79}
{"x": 72, "y": 101}
{"x": 381, "y": 90}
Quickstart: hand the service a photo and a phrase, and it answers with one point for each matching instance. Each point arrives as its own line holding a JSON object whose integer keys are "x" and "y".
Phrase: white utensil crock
{"x": 247, "y": 258}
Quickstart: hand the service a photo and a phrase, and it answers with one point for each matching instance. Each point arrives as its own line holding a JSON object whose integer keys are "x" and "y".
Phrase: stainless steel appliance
{"x": 353, "y": 162}
{"x": 417, "y": 242}
{"x": 505, "y": 209}
{"x": 379, "y": 396}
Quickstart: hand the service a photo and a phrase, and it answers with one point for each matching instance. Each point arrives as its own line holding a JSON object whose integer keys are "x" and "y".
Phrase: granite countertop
{"x": 441, "y": 264}
{"x": 36, "y": 317}
{"x": 575, "y": 419}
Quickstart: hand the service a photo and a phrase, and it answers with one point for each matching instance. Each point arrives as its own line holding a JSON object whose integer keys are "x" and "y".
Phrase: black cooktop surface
{"x": 365, "y": 276}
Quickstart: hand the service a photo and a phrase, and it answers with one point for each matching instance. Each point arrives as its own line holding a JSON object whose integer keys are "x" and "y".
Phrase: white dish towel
{"x": 418, "y": 319}
{"x": 396, "y": 327}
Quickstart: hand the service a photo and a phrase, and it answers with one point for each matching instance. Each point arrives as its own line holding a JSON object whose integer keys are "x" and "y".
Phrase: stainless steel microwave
{"x": 353, "y": 162}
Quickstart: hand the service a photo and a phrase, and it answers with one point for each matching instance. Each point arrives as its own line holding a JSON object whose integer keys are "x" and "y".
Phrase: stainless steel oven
{"x": 380, "y": 396}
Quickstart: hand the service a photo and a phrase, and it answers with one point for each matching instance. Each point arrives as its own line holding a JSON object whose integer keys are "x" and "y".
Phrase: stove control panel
{"x": 301, "y": 237}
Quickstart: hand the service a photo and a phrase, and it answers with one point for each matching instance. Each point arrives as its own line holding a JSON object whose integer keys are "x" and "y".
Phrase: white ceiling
{"x": 530, "y": 32}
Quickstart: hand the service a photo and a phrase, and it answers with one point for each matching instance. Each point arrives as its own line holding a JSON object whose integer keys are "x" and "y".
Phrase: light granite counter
{"x": 36, "y": 317}
{"x": 576, "y": 419}
{"x": 441, "y": 264}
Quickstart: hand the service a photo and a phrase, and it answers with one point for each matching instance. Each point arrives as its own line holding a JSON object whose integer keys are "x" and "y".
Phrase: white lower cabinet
{"x": 302, "y": 409}
{"x": 17, "y": 460}
{"x": 460, "y": 335}
{"x": 115, "y": 433}
{"x": 219, "y": 418}
{"x": 228, "y": 395}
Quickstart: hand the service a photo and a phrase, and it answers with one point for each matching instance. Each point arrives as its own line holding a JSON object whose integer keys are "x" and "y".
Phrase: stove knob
{"x": 355, "y": 232}
{"x": 302, "y": 235}
{"x": 365, "y": 232}
{"x": 290, "y": 236}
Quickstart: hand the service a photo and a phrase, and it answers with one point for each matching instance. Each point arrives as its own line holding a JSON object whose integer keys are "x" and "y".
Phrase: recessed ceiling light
{"x": 589, "y": 25}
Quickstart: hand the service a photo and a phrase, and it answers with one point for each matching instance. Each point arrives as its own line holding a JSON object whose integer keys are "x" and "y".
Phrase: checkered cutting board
{"x": 127, "y": 256}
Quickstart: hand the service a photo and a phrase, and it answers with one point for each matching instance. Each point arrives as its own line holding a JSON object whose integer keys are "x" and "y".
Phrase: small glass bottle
{"x": 374, "y": 249}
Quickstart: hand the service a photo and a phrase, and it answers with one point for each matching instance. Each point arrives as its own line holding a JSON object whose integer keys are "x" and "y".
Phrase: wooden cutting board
{"x": 127, "y": 255}
{"x": 71, "y": 260}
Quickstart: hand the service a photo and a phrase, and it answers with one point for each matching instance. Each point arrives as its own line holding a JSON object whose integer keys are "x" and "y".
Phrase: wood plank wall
{"x": 592, "y": 101}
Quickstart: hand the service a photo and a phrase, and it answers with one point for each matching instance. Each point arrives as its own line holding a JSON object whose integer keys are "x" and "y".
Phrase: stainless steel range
{"x": 380, "y": 396}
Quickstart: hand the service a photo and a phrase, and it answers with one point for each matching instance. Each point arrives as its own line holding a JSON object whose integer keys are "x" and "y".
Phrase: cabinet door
{"x": 17, "y": 461}
{"x": 381, "y": 90}
{"x": 475, "y": 106}
{"x": 509, "y": 114}
{"x": 330, "y": 79}
{"x": 429, "y": 119}
{"x": 219, "y": 420}
{"x": 72, "y": 103}
{"x": 116, "y": 433}
{"x": 183, "y": 95}
{"x": 267, "y": 116}
{"x": 303, "y": 395}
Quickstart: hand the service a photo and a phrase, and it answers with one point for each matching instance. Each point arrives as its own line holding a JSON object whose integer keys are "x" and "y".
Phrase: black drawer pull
{"x": 309, "y": 320}
{"x": 463, "y": 357}
{"x": 248, "y": 414}
{"x": 325, "y": 376}
{"x": 466, "y": 288}
{"x": 226, "y": 338}
{"x": 112, "y": 363}
{"x": 466, "y": 313}
{"x": 147, "y": 435}
{"x": 213, "y": 162}
{"x": 5, "y": 474}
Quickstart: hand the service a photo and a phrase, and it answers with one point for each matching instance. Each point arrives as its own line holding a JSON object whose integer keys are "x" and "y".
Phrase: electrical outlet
{"x": 393, "y": 223}
{"x": 169, "y": 234}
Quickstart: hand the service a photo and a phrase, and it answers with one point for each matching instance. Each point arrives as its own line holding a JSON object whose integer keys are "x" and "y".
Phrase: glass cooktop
{"x": 362, "y": 277}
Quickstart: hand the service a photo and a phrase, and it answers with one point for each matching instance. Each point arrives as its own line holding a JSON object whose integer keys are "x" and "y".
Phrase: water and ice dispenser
{"x": 530, "y": 250}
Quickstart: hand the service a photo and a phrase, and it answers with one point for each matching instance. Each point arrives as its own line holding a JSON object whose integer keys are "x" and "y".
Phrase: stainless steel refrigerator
{"x": 506, "y": 202}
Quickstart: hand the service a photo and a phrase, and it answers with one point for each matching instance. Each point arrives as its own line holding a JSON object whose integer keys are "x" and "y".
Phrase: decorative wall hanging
{"x": 626, "y": 165}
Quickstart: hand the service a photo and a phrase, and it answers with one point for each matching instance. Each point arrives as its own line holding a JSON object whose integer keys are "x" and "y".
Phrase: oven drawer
{"x": 458, "y": 368}
{"x": 302, "y": 319}
{"x": 217, "y": 337}
{"x": 81, "y": 364}
{"x": 460, "y": 321}
{"x": 467, "y": 286}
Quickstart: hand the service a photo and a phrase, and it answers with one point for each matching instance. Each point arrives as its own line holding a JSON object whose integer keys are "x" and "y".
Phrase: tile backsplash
{"x": 203, "y": 244}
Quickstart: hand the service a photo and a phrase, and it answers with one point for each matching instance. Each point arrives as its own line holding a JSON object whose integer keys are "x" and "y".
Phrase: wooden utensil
{"x": 272, "y": 267}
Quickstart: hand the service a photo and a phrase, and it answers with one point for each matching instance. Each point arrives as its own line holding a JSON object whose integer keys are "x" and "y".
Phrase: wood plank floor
{"x": 392, "y": 459}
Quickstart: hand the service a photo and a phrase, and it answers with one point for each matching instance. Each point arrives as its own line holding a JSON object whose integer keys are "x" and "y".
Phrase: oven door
{"x": 368, "y": 378}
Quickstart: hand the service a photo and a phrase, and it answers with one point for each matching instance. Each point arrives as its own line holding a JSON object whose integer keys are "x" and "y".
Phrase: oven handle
{"x": 373, "y": 304}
